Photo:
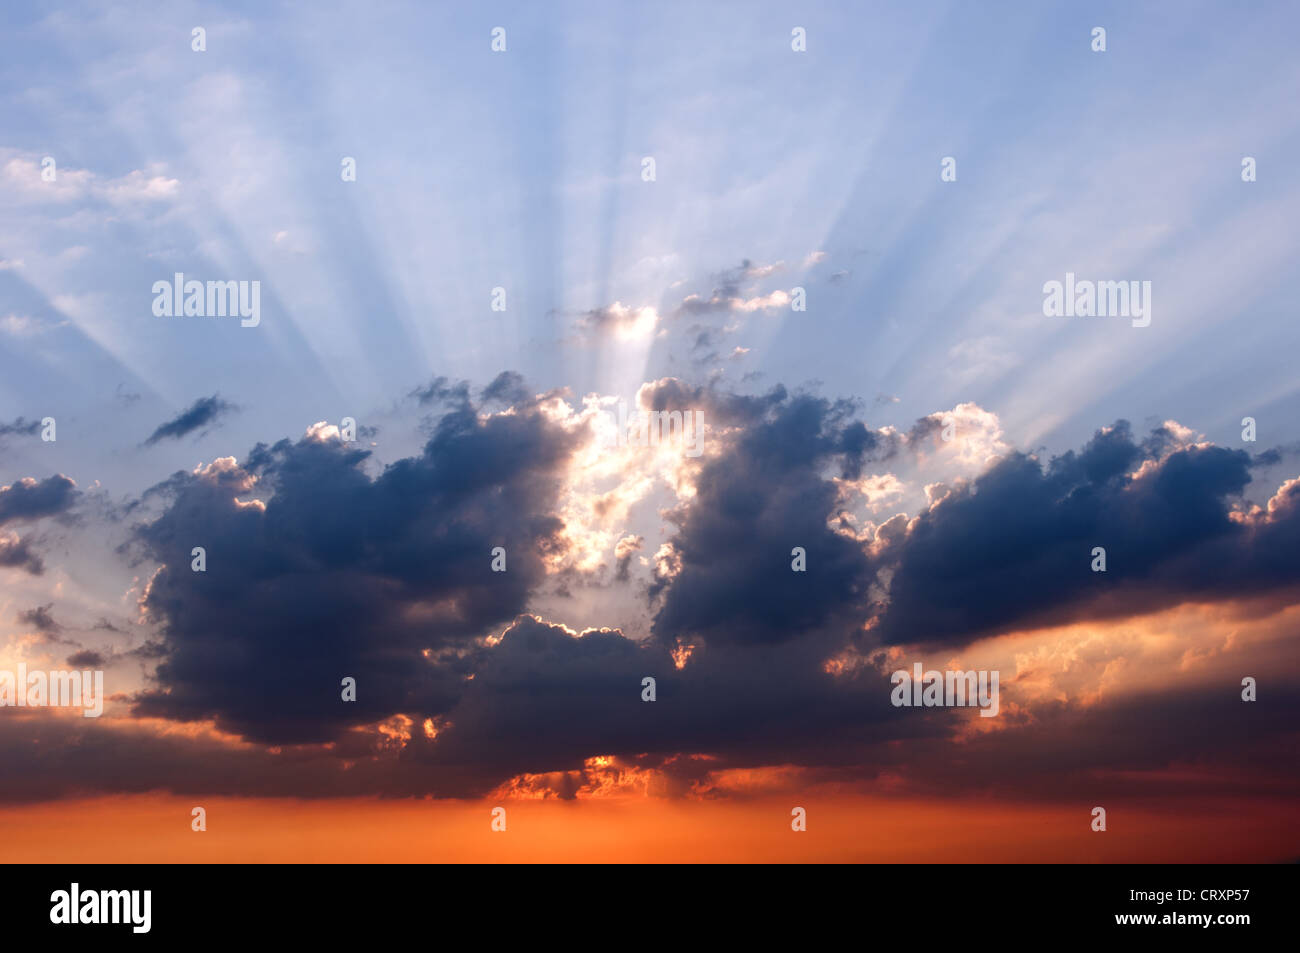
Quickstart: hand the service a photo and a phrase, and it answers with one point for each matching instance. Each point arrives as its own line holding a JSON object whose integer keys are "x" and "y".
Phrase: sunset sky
{"x": 945, "y": 455}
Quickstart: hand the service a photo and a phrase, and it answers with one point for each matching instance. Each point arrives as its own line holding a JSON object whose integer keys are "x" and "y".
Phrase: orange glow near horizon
{"x": 156, "y": 829}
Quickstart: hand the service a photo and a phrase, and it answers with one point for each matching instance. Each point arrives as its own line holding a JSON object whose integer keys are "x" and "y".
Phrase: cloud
{"x": 203, "y": 413}
{"x": 1014, "y": 546}
{"x": 765, "y": 495}
{"x": 86, "y": 658}
{"x": 22, "y": 176}
{"x": 695, "y": 304}
{"x": 29, "y": 499}
{"x": 322, "y": 565}
{"x": 440, "y": 390}
{"x": 619, "y": 321}
{"x": 546, "y": 698}
{"x": 25, "y": 325}
{"x": 20, "y": 427}
{"x": 25, "y": 501}
{"x": 329, "y": 573}
{"x": 554, "y": 700}
{"x": 40, "y": 619}
{"x": 624, "y": 550}
{"x": 506, "y": 388}
{"x": 729, "y": 292}
{"x": 17, "y": 553}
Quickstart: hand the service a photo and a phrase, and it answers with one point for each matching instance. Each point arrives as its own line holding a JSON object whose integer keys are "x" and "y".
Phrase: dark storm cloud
{"x": 387, "y": 578}
{"x": 204, "y": 412}
{"x": 768, "y": 493}
{"x": 544, "y": 700}
{"x": 29, "y": 499}
{"x": 1122, "y": 749}
{"x": 1014, "y": 547}
{"x": 542, "y": 697}
{"x": 49, "y": 757}
{"x": 1001, "y": 552}
{"x": 344, "y": 575}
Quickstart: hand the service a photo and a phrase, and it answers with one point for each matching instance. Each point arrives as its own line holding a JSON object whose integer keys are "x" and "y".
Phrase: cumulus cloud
{"x": 25, "y": 501}
{"x": 321, "y": 565}
{"x": 1014, "y": 546}
{"x": 765, "y": 495}
{"x": 24, "y": 182}
{"x": 31, "y": 499}
{"x": 329, "y": 573}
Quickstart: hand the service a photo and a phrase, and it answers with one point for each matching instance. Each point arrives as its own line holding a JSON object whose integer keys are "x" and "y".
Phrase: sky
{"x": 835, "y": 257}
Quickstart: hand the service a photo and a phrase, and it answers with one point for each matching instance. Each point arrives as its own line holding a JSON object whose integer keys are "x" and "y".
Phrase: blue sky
{"x": 522, "y": 170}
